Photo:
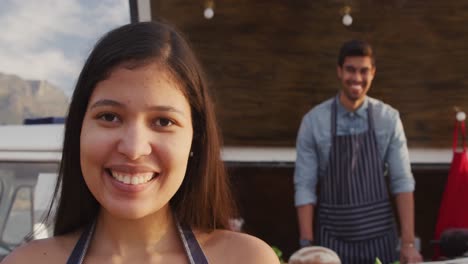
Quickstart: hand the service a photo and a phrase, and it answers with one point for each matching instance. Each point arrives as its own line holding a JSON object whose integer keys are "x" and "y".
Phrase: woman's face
{"x": 135, "y": 141}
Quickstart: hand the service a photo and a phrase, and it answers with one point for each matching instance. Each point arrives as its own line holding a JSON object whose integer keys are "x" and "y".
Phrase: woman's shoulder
{"x": 223, "y": 246}
{"x": 48, "y": 250}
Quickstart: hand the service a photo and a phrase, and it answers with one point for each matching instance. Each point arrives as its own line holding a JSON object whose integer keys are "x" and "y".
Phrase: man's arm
{"x": 402, "y": 186}
{"x": 305, "y": 216}
{"x": 305, "y": 179}
{"x": 405, "y": 206}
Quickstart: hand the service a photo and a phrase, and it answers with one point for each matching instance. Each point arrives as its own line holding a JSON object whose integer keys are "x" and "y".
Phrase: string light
{"x": 208, "y": 13}
{"x": 347, "y": 19}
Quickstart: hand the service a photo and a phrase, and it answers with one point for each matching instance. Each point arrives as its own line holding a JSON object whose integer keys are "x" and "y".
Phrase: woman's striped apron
{"x": 193, "y": 250}
{"x": 354, "y": 215}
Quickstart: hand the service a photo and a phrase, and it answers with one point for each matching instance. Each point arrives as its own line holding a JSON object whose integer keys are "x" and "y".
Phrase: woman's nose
{"x": 135, "y": 142}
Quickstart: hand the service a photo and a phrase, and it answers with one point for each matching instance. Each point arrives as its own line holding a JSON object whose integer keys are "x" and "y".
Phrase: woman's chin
{"x": 131, "y": 212}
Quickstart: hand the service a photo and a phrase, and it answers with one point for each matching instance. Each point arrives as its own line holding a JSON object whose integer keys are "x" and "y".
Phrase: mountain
{"x": 20, "y": 99}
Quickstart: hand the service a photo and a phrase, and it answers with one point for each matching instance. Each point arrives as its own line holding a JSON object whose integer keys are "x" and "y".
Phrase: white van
{"x": 29, "y": 161}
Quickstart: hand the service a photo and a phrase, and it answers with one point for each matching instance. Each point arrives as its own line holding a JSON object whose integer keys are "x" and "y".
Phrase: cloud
{"x": 49, "y": 39}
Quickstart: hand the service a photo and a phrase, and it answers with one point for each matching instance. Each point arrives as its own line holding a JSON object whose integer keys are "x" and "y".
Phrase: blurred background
{"x": 268, "y": 62}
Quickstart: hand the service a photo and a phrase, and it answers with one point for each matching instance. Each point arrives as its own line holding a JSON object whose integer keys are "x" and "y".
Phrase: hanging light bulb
{"x": 347, "y": 19}
{"x": 208, "y": 13}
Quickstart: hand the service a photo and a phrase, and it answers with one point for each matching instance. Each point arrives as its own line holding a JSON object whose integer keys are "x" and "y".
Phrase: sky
{"x": 50, "y": 39}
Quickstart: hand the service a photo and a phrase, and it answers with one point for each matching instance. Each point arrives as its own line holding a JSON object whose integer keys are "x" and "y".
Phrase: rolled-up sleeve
{"x": 399, "y": 167}
{"x": 306, "y": 169}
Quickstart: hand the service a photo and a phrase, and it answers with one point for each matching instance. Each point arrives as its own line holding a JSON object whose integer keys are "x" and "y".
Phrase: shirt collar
{"x": 361, "y": 111}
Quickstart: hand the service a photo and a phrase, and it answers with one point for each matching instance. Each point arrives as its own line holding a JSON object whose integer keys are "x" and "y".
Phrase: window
{"x": 19, "y": 222}
{"x": 26, "y": 193}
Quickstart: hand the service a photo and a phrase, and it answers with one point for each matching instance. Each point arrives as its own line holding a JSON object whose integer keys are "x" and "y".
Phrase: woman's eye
{"x": 108, "y": 117}
{"x": 163, "y": 122}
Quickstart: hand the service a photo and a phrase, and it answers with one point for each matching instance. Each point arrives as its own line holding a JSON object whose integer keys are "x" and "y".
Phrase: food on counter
{"x": 314, "y": 255}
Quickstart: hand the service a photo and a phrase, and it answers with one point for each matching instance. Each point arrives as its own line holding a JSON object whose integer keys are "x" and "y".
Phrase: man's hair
{"x": 203, "y": 200}
{"x": 355, "y": 48}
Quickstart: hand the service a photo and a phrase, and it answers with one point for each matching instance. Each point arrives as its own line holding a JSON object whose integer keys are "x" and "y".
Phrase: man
{"x": 344, "y": 147}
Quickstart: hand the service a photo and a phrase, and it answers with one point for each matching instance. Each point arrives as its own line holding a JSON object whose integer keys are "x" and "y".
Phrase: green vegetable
{"x": 278, "y": 253}
{"x": 377, "y": 261}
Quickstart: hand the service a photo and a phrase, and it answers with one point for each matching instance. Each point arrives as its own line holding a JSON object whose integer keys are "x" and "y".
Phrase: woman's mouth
{"x": 132, "y": 178}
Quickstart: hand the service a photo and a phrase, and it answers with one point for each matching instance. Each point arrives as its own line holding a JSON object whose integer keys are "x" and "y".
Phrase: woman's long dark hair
{"x": 204, "y": 199}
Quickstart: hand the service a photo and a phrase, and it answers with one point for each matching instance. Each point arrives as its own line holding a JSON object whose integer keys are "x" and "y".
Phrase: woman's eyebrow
{"x": 159, "y": 108}
{"x": 165, "y": 108}
{"x": 106, "y": 102}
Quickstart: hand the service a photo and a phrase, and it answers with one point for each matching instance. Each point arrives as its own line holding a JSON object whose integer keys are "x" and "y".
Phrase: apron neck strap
{"x": 370, "y": 116}
{"x": 333, "y": 115}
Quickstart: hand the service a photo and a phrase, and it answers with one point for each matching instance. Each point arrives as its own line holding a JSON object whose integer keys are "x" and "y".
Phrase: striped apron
{"x": 354, "y": 215}
{"x": 193, "y": 250}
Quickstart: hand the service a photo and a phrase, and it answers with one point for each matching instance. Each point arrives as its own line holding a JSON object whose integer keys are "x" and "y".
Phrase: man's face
{"x": 356, "y": 76}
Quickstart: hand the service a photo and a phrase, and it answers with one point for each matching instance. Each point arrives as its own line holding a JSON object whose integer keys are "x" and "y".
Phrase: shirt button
{"x": 351, "y": 114}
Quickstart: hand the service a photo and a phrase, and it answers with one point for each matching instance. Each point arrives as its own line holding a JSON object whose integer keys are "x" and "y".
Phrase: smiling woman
{"x": 141, "y": 178}
{"x": 136, "y": 134}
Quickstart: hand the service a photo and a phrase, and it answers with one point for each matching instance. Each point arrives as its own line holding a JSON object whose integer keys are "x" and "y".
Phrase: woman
{"x": 141, "y": 178}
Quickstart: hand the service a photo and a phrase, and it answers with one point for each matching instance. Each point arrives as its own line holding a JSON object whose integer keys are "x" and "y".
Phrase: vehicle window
{"x": 19, "y": 221}
{"x": 27, "y": 192}
{"x": 43, "y": 195}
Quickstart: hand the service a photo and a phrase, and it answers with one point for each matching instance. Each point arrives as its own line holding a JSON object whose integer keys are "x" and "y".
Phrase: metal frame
{"x": 140, "y": 10}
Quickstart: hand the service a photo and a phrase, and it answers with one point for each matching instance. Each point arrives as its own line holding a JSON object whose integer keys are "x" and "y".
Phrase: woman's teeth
{"x": 132, "y": 179}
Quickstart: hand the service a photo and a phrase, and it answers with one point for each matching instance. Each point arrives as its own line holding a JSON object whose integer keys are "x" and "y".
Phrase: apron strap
{"x": 333, "y": 116}
{"x": 370, "y": 116}
{"x": 459, "y": 125}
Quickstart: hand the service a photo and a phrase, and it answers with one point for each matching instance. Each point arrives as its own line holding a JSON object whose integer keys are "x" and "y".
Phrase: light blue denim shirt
{"x": 314, "y": 143}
